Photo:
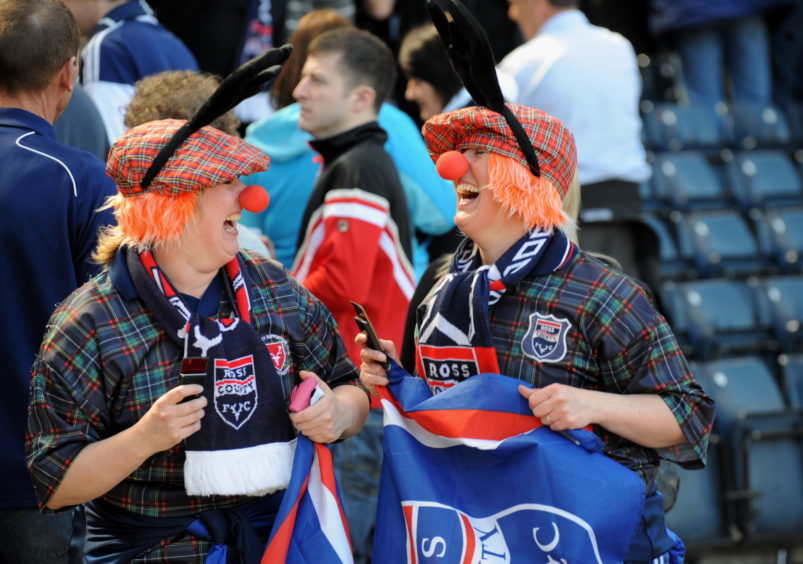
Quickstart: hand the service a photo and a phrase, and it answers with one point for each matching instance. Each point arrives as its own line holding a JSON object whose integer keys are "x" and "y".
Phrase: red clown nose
{"x": 254, "y": 199}
{"x": 452, "y": 165}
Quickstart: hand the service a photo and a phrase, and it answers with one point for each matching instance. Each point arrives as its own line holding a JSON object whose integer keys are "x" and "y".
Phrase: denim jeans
{"x": 740, "y": 48}
{"x": 357, "y": 462}
{"x": 30, "y": 537}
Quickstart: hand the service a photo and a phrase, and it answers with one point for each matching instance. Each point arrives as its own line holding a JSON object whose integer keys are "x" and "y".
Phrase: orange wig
{"x": 536, "y": 200}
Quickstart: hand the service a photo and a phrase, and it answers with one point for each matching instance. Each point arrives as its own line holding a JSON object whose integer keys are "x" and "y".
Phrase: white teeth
{"x": 234, "y": 218}
{"x": 468, "y": 188}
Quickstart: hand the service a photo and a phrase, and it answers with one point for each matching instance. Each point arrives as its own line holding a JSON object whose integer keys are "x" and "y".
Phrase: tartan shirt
{"x": 104, "y": 361}
{"x": 616, "y": 342}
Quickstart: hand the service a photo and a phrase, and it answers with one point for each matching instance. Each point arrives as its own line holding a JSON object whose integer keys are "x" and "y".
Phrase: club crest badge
{"x": 235, "y": 390}
{"x": 279, "y": 352}
{"x": 545, "y": 340}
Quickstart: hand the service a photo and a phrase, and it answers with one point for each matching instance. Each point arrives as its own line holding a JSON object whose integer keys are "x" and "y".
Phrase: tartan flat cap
{"x": 208, "y": 157}
{"x": 478, "y": 127}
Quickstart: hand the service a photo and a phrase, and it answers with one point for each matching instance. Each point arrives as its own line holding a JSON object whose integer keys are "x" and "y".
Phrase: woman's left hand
{"x": 327, "y": 419}
{"x": 560, "y": 406}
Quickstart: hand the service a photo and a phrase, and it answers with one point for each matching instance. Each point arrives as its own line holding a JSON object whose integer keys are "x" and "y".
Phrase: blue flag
{"x": 310, "y": 526}
{"x": 470, "y": 475}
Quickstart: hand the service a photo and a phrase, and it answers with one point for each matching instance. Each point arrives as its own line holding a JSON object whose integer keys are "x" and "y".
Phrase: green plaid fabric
{"x": 479, "y": 128}
{"x": 617, "y": 343}
{"x": 104, "y": 362}
{"x": 208, "y": 157}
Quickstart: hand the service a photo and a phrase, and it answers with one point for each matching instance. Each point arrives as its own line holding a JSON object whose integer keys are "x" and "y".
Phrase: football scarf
{"x": 454, "y": 340}
{"x": 246, "y": 442}
{"x": 470, "y": 475}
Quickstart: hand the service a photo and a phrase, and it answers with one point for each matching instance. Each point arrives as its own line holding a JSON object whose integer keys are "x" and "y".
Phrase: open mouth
{"x": 467, "y": 192}
{"x": 230, "y": 223}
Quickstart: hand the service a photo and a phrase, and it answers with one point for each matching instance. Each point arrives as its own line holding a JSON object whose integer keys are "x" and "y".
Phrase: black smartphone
{"x": 365, "y": 325}
{"x": 193, "y": 371}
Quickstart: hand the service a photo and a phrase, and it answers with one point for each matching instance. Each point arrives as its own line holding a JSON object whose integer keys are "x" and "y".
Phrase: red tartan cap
{"x": 206, "y": 158}
{"x": 478, "y": 127}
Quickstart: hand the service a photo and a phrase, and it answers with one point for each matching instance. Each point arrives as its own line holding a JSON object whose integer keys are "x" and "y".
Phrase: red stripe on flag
{"x": 468, "y": 534}
{"x": 408, "y": 518}
{"x": 280, "y": 545}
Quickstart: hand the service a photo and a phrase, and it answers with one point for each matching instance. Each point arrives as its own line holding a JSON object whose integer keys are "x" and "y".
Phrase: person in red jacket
{"x": 356, "y": 239}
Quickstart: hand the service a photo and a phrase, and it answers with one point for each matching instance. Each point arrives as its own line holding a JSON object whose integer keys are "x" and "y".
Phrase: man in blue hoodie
{"x": 49, "y": 194}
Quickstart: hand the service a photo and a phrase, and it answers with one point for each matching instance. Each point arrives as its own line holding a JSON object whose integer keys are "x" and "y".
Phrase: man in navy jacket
{"x": 49, "y": 194}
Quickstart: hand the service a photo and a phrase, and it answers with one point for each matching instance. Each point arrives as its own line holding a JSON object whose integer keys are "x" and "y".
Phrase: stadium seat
{"x": 760, "y": 179}
{"x": 699, "y": 514}
{"x": 722, "y": 317}
{"x": 791, "y": 367}
{"x": 675, "y": 127}
{"x": 686, "y": 181}
{"x": 780, "y": 236}
{"x": 756, "y": 126}
{"x": 782, "y": 298}
{"x": 721, "y": 243}
{"x": 764, "y": 441}
{"x": 669, "y": 264}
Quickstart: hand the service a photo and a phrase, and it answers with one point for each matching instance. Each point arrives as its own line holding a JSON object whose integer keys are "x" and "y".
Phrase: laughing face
{"x": 213, "y": 233}
{"x": 479, "y": 215}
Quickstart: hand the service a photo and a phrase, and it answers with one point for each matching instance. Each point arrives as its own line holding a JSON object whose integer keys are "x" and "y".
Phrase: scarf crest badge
{"x": 247, "y": 447}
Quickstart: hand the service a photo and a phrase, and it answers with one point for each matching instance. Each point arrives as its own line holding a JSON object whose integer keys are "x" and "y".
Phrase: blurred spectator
{"x": 49, "y": 194}
{"x": 587, "y": 76}
{"x": 290, "y": 179}
{"x": 223, "y": 34}
{"x": 719, "y": 37}
{"x": 297, "y": 9}
{"x": 179, "y": 95}
{"x": 129, "y": 44}
{"x": 431, "y": 82}
{"x": 81, "y": 126}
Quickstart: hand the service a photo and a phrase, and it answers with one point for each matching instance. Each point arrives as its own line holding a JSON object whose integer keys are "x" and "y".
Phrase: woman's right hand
{"x": 372, "y": 374}
{"x": 168, "y": 421}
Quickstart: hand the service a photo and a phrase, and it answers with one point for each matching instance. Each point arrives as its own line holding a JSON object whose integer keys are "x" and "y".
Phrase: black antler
{"x": 472, "y": 59}
{"x": 245, "y": 81}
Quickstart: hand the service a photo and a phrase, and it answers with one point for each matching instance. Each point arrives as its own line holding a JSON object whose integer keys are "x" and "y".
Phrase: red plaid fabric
{"x": 206, "y": 158}
{"x": 480, "y": 128}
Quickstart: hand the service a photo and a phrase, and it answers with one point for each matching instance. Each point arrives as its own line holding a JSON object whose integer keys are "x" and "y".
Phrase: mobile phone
{"x": 193, "y": 371}
{"x": 365, "y": 325}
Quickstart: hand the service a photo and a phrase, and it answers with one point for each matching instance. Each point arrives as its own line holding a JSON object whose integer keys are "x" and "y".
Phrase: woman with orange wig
{"x": 521, "y": 299}
{"x": 159, "y": 395}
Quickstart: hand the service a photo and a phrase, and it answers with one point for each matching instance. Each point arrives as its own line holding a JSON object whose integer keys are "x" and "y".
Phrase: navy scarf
{"x": 454, "y": 340}
{"x": 246, "y": 442}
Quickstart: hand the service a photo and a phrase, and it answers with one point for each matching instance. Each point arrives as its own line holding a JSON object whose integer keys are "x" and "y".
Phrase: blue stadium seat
{"x": 791, "y": 367}
{"x": 669, "y": 264}
{"x": 762, "y": 179}
{"x": 721, "y": 243}
{"x": 722, "y": 317}
{"x": 755, "y": 126}
{"x": 675, "y": 127}
{"x": 764, "y": 441}
{"x": 780, "y": 236}
{"x": 699, "y": 514}
{"x": 782, "y": 298}
{"x": 686, "y": 180}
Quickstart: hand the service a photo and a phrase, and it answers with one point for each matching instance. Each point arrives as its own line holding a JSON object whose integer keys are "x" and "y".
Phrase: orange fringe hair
{"x": 147, "y": 220}
{"x": 536, "y": 200}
